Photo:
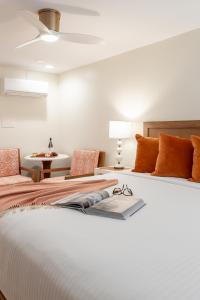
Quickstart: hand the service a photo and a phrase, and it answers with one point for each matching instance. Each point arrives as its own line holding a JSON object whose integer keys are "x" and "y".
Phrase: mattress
{"x": 63, "y": 254}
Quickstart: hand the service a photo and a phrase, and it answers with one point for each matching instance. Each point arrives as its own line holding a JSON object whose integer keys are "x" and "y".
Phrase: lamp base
{"x": 118, "y": 167}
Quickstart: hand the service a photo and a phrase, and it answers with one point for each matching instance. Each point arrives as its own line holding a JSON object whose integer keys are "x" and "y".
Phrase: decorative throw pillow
{"x": 175, "y": 157}
{"x": 196, "y": 158}
{"x": 146, "y": 155}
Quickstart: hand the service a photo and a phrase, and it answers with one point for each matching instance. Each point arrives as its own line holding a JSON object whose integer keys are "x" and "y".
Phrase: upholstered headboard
{"x": 178, "y": 128}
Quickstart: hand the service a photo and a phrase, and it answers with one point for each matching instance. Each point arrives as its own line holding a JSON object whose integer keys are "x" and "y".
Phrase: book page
{"x": 117, "y": 204}
{"x": 83, "y": 200}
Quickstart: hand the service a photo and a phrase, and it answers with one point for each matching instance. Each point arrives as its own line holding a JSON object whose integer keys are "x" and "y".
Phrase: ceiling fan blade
{"x": 80, "y": 38}
{"x": 33, "y": 19}
{"x": 75, "y": 10}
{"x": 37, "y": 39}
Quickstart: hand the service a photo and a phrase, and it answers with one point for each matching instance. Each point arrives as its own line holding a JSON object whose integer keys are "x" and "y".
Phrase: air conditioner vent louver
{"x": 22, "y": 87}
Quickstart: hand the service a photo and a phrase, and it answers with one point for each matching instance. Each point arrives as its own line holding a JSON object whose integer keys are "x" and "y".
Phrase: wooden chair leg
{"x": 2, "y": 297}
{"x": 36, "y": 174}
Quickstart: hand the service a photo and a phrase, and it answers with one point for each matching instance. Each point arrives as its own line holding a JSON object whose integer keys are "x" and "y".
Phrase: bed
{"x": 62, "y": 254}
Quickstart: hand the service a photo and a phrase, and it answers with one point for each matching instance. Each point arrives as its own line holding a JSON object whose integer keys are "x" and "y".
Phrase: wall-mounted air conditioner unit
{"x": 22, "y": 87}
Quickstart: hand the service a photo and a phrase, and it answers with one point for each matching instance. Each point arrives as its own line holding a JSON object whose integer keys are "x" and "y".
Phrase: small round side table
{"x": 47, "y": 161}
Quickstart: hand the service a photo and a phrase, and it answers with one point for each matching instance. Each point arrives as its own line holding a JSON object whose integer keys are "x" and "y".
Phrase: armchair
{"x": 11, "y": 169}
{"x": 83, "y": 164}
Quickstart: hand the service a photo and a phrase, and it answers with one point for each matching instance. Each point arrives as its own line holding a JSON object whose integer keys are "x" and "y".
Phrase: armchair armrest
{"x": 42, "y": 172}
{"x": 54, "y": 170}
{"x": 33, "y": 172}
{"x": 29, "y": 170}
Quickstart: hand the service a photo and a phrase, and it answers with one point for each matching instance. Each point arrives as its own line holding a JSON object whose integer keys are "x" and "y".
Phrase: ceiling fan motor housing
{"x": 50, "y": 18}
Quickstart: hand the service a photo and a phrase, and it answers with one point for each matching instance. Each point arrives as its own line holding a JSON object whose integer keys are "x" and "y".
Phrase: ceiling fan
{"x": 47, "y": 22}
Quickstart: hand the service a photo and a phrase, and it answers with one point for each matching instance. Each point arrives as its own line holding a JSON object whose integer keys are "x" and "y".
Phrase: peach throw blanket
{"x": 26, "y": 194}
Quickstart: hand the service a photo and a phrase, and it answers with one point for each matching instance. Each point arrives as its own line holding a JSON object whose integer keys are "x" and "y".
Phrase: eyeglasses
{"x": 125, "y": 190}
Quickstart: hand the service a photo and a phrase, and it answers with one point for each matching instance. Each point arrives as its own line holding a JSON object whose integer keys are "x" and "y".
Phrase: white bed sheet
{"x": 61, "y": 254}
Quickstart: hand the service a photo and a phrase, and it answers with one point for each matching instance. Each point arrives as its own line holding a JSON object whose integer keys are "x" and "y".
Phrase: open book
{"x": 100, "y": 203}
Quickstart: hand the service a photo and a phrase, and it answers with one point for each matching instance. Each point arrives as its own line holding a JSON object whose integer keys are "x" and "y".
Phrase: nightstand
{"x": 104, "y": 170}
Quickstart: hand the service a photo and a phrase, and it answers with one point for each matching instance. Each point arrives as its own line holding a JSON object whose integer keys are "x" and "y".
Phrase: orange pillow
{"x": 175, "y": 157}
{"x": 196, "y": 158}
{"x": 147, "y": 152}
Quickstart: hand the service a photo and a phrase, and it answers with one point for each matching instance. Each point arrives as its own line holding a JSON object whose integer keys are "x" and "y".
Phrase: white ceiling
{"x": 123, "y": 24}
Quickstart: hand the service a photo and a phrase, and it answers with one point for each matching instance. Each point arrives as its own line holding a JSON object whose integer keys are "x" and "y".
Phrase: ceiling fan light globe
{"x": 50, "y": 38}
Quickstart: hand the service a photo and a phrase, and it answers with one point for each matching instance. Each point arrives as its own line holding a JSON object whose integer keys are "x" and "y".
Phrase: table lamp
{"x": 119, "y": 130}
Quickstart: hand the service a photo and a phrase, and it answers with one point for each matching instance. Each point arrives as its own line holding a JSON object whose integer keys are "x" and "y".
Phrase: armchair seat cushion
{"x": 14, "y": 179}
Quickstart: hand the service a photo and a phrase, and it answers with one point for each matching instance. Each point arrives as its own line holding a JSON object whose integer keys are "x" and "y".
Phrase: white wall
{"x": 157, "y": 82}
{"x": 36, "y": 119}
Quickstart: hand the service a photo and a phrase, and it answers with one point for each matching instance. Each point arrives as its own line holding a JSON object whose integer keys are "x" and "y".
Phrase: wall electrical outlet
{"x": 8, "y": 124}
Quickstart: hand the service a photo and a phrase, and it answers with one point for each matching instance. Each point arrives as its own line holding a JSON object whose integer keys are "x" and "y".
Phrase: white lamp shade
{"x": 119, "y": 129}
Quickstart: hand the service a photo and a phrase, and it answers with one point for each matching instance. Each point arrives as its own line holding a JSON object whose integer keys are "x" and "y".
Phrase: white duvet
{"x": 60, "y": 254}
